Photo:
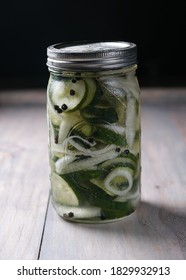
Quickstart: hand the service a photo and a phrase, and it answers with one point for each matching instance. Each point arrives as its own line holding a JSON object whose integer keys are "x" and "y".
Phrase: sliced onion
{"x": 122, "y": 172}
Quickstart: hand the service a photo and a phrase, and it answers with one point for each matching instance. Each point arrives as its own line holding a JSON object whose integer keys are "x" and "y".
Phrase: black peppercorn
{"x": 71, "y": 214}
{"x": 56, "y": 139}
{"x": 72, "y": 92}
{"x": 56, "y": 107}
{"x": 126, "y": 152}
{"x": 64, "y": 107}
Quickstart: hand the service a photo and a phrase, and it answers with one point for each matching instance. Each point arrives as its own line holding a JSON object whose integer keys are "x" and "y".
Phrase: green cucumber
{"x": 115, "y": 214}
{"x": 118, "y": 162}
{"x": 68, "y": 95}
{"x": 99, "y": 198}
{"x": 84, "y": 176}
{"x": 90, "y": 194}
{"x": 98, "y": 97}
{"x": 53, "y": 116}
{"x": 127, "y": 154}
{"x": 67, "y": 123}
{"x": 87, "y": 193}
{"x": 99, "y": 114}
{"x": 83, "y": 129}
{"x": 109, "y": 135}
{"x": 62, "y": 192}
{"x": 91, "y": 91}
{"x": 72, "y": 94}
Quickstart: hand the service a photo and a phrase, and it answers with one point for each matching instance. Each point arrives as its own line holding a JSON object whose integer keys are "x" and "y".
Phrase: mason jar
{"x": 93, "y": 108}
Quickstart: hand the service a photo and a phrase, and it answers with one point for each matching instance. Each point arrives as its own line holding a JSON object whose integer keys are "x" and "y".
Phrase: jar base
{"x": 89, "y": 214}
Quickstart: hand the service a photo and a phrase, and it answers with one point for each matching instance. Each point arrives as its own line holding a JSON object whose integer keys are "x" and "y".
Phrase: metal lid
{"x": 91, "y": 56}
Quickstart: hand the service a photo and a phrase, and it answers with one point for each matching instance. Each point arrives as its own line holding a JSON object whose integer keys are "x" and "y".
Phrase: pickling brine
{"x": 94, "y": 141}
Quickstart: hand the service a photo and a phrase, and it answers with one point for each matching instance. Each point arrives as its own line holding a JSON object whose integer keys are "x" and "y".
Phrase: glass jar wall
{"x": 94, "y": 142}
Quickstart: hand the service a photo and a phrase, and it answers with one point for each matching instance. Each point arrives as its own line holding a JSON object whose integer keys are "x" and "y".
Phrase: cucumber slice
{"x": 109, "y": 135}
{"x": 100, "y": 183}
{"x": 67, "y": 123}
{"x": 99, "y": 114}
{"x": 119, "y": 85}
{"x": 98, "y": 97}
{"x": 116, "y": 214}
{"x": 68, "y": 95}
{"x": 118, "y": 162}
{"x": 55, "y": 118}
{"x": 115, "y": 182}
{"x": 84, "y": 176}
{"x": 90, "y": 194}
{"x": 83, "y": 129}
{"x": 91, "y": 90}
{"x": 62, "y": 192}
{"x": 55, "y": 150}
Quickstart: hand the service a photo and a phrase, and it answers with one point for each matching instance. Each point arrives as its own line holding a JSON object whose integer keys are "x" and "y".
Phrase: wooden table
{"x": 31, "y": 229}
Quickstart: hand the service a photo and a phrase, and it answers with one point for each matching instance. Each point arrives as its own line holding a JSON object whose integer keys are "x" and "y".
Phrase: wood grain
{"x": 23, "y": 181}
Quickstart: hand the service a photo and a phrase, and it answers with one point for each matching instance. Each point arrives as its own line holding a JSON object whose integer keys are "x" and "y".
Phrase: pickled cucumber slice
{"x": 91, "y": 90}
{"x": 118, "y": 162}
{"x": 53, "y": 116}
{"x": 115, "y": 213}
{"x": 67, "y": 123}
{"x": 119, "y": 85}
{"x": 91, "y": 194}
{"x": 109, "y": 135}
{"x": 99, "y": 114}
{"x": 62, "y": 192}
{"x": 68, "y": 94}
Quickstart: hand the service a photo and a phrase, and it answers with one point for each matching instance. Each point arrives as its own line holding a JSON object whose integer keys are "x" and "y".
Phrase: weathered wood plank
{"x": 23, "y": 181}
{"x": 159, "y": 96}
{"x": 38, "y": 97}
{"x": 32, "y": 97}
{"x": 158, "y": 229}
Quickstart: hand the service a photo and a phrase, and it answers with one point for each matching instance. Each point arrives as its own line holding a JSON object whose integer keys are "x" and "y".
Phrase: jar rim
{"x": 91, "y": 55}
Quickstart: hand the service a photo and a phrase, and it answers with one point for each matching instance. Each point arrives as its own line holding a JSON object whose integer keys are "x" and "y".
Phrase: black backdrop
{"x": 28, "y": 27}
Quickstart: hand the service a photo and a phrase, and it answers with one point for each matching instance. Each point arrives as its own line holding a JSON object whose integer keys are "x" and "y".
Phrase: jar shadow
{"x": 152, "y": 232}
{"x": 150, "y": 221}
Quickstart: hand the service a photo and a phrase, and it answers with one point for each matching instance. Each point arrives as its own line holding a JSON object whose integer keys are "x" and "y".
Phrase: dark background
{"x": 28, "y": 27}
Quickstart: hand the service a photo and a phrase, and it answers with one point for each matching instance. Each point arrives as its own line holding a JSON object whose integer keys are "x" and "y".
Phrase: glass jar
{"x": 93, "y": 105}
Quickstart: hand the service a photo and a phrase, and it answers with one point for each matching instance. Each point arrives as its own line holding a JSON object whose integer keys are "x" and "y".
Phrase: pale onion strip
{"x": 130, "y": 120}
{"x": 63, "y": 166}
